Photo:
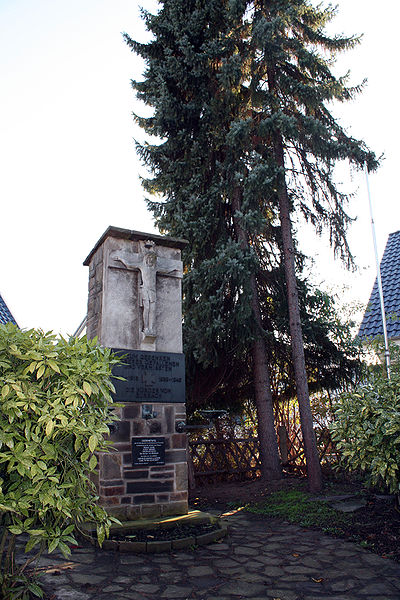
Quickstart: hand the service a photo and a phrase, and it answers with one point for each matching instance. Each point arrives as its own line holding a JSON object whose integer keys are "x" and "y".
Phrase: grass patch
{"x": 296, "y": 507}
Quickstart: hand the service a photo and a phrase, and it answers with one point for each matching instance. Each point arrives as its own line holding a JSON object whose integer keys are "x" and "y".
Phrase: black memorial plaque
{"x": 147, "y": 451}
{"x": 149, "y": 377}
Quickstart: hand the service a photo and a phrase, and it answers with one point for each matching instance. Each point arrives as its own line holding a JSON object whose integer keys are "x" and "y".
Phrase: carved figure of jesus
{"x": 146, "y": 264}
{"x": 147, "y": 289}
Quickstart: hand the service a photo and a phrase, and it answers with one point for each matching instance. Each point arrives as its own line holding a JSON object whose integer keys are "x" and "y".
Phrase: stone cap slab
{"x": 129, "y": 234}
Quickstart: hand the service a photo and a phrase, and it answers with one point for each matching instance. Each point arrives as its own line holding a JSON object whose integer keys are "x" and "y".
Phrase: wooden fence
{"x": 222, "y": 459}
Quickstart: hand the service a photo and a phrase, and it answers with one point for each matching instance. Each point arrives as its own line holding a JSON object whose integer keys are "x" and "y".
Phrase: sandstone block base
{"x": 135, "y": 492}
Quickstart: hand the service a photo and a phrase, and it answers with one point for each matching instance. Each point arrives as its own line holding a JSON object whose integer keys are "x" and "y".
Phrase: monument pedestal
{"x": 135, "y": 305}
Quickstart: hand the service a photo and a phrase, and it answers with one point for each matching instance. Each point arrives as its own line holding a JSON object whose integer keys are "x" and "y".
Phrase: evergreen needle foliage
{"x": 240, "y": 92}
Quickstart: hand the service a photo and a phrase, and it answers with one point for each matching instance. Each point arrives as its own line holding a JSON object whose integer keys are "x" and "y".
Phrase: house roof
{"x": 371, "y": 325}
{"x": 5, "y": 315}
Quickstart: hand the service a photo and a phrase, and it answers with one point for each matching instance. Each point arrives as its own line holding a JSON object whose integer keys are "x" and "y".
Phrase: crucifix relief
{"x": 148, "y": 264}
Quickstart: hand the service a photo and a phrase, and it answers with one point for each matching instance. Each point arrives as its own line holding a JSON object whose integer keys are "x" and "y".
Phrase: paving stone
{"x": 84, "y": 558}
{"x": 144, "y": 578}
{"x": 112, "y": 588}
{"x": 296, "y": 578}
{"x": 182, "y": 556}
{"x": 199, "y": 571}
{"x": 310, "y": 562}
{"x": 138, "y": 570}
{"x": 219, "y": 547}
{"x": 146, "y": 588}
{"x": 273, "y": 572}
{"x": 373, "y": 589}
{"x": 303, "y": 548}
{"x": 281, "y": 594}
{"x": 256, "y": 544}
{"x": 128, "y": 559}
{"x": 348, "y": 553}
{"x": 226, "y": 562}
{"x": 246, "y": 551}
{"x": 231, "y": 572}
{"x": 162, "y": 560}
{"x": 267, "y": 560}
{"x": 344, "y": 585}
{"x": 166, "y": 578}
{"x": 293, "y": 569}
{"x": 87, "y": 578}
{"x": 372, "y": 559}
{"x": 320, "y": 597}
{"x": 175, "y": 591}
{"x": 69, "y": 594}
{"x": 130, "y": 595}
{"x": 237, "y": 588}
{"x": 272, "y": 547}
{"x": 349, "y": 506}
{"x": 395, "y": 582}
{"x": 252, "y": 577}
{"x": 203, "y": 584}
{"x": 51, "y": 579}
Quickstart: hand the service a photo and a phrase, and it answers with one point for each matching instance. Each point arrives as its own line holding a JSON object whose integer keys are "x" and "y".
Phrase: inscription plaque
{"x": 149, "y": 377}
{"x": 147, "y": 451}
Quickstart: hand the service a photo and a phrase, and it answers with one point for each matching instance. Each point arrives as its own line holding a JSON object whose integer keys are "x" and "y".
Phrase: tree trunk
{"x": 306, "y": 418}
{"x": 270, "y": 462}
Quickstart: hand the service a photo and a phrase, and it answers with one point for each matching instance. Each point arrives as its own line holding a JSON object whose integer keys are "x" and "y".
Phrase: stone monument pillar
{"x": 134, "y": 307}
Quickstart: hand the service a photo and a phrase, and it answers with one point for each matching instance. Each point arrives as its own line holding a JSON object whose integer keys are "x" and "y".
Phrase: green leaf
{"x": 31, "y": 543}
{"x": 92, "y": 462}
{"x": 68, "y": 529}
{"x": 64, "y": 549}
{"x": 53, "y": 544}
{"x": 35, "y": 589}
{"x": 15, "y": 530}
{"x": 49, "y": 428}
{"x": 40, "y": 371}
{"x": 53, "y": 365}
{"x": 36, "y": 531}
{"x": 92, "y": 443}
{"x": 100, "y": 535}
{"x": 87, "y": 388}
{"x": 5, "y": 391}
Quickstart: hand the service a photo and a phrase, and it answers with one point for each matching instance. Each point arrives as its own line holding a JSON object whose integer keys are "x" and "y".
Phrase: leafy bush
{"x": 55, "y": 405}
{"x": 367, "y": 429}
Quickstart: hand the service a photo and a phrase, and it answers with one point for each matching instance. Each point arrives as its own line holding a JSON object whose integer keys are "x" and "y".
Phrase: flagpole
{"x": 379, "y": 279}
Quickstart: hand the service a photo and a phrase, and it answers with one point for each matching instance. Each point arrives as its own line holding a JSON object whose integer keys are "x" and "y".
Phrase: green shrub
{"x": 367, "y": 430}
{"x": 55, "y": 405}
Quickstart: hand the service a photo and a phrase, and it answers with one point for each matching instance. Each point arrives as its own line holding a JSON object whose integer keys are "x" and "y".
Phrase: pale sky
{"x": 67, "y": 158}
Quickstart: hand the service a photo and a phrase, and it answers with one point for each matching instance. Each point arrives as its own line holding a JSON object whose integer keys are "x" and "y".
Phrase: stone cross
{"x": 148, "y": 264}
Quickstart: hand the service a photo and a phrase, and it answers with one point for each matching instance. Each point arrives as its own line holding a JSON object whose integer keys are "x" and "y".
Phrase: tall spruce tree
{"x": 240, "y": 91}
{"x": 290, "y": 84}
{"x": 195, "y": 173}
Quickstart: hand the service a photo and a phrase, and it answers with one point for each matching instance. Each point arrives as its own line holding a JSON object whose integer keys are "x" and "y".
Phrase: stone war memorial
{"x": 134, "y": 307}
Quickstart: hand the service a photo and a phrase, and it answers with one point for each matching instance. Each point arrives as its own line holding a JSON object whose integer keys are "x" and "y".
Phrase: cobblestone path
{"x": 260, "y": 559}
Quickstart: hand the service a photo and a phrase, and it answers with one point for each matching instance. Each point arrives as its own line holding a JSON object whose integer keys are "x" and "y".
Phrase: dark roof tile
{"x": 5, "y": 315}
{"x": 371, "y": 325}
